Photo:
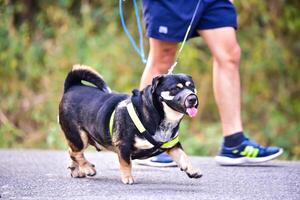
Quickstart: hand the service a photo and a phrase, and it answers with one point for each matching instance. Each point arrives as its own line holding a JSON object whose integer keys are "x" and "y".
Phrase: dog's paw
{"x": 194, "y": 173}
{"x": 87, "y": 169}
{"x": 127, "y": 180}
{"x": 75, "y": 172}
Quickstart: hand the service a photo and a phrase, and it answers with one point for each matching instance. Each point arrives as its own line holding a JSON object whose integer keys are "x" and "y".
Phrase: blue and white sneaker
{"x": 247, "y": 152}
{"x": 161, "y": 160}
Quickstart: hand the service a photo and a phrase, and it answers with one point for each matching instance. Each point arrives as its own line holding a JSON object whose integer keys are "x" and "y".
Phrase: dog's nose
{"x": 192, "y": 99}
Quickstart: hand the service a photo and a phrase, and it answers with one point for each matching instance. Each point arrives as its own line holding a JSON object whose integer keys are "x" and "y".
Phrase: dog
{"x": 135, "y": 126}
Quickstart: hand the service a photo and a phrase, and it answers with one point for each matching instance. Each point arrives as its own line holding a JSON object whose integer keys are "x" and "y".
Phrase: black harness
{"x": 158, "y": 147}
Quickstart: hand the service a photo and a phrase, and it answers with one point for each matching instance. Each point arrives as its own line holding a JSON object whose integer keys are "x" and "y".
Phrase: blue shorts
{"x": 168, "y": 20}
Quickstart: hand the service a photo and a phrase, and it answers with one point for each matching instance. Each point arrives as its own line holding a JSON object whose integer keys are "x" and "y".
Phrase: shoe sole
{"x": 148, "y": 162}
{"x": 222, "y": 160}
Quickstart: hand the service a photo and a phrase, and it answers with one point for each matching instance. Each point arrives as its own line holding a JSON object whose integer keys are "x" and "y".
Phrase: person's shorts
{"x": 168, "y": 20}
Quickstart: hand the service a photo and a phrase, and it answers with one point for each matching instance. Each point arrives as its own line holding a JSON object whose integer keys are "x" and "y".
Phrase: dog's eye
{"x": 191, "y": 86}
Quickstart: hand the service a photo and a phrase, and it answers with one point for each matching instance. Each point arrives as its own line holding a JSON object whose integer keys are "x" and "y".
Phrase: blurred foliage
{"x": 41, "y": 40}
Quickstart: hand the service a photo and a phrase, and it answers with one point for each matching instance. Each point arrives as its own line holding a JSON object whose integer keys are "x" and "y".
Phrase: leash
{"x": 184, "y": 40}
{"x": 140, "y": 49}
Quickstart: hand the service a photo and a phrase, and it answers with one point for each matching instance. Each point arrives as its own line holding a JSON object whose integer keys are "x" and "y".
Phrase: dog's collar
{"x": 139, "y": 125}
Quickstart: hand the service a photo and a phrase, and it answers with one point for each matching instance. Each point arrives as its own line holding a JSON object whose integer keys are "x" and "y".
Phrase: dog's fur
{"x": 85, "y": 111}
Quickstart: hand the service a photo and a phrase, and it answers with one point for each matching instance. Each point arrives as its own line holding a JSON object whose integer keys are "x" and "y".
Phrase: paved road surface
{"x": 40, "y": 174}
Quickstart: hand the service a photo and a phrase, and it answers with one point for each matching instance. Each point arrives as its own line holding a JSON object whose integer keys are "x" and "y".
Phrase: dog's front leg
{"x": 125, "y": 165}
{"x": 183, "y": 162}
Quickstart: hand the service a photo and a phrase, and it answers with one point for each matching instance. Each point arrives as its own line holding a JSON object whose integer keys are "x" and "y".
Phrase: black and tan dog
{"x": 134, "y": 126}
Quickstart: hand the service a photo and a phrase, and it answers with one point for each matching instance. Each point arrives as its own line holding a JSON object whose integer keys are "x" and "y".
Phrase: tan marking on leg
{"x": 184, "y": 163}
{"x": 115, "y": 144}
{"x": 80, "y": 167}
{"x": 72, "y": 146}
{"x": 125, "y": 171}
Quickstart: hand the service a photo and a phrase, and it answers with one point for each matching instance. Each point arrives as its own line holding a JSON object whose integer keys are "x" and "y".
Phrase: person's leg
{"x": 226, "y": 52}
{"x": 236, "y": 149}
{"x": 160, "y": 59}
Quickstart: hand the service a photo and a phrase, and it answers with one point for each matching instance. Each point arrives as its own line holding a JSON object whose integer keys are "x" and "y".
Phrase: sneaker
{"x": 247, "y": 152}
{"x": 161, "y": 160}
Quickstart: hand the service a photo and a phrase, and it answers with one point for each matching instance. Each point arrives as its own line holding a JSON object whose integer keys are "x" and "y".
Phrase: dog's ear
{"x": 155, "y": 82}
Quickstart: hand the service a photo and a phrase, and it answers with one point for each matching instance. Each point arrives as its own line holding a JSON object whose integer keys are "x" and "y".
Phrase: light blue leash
{"x": 184, "y": 40}
{"x": 139, "y": 50}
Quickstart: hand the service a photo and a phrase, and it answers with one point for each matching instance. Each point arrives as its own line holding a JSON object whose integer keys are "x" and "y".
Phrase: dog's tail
{"x": 85, "y": 73}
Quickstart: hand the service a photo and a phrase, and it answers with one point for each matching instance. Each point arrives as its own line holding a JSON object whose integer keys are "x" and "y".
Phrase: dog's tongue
{"x": 192, "y": 112}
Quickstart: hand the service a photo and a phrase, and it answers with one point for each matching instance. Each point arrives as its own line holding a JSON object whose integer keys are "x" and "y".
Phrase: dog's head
{"x": 177, "y": 91}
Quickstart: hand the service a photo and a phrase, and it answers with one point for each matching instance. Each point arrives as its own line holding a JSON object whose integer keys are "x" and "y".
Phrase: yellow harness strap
{"x": 111, "y": 122}
{"x": 137, "y": 122}
{"x": 170, "y": 143}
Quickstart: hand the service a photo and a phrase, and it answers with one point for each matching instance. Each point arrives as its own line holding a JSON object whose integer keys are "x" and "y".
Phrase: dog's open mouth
{"x": 192, "y": 112}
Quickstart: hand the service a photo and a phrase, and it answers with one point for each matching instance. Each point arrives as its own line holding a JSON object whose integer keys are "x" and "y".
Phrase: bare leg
{"x": 224, "y": 47}
{"x": 161, "y": 57}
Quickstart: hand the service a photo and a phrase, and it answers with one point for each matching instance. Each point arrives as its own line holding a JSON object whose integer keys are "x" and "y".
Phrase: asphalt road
{"x": 40, "y": 174}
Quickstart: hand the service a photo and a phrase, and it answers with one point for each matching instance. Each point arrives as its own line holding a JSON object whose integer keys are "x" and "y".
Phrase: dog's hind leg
{"x": 80, "y": 167}
{"x": 78, "y": 142}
